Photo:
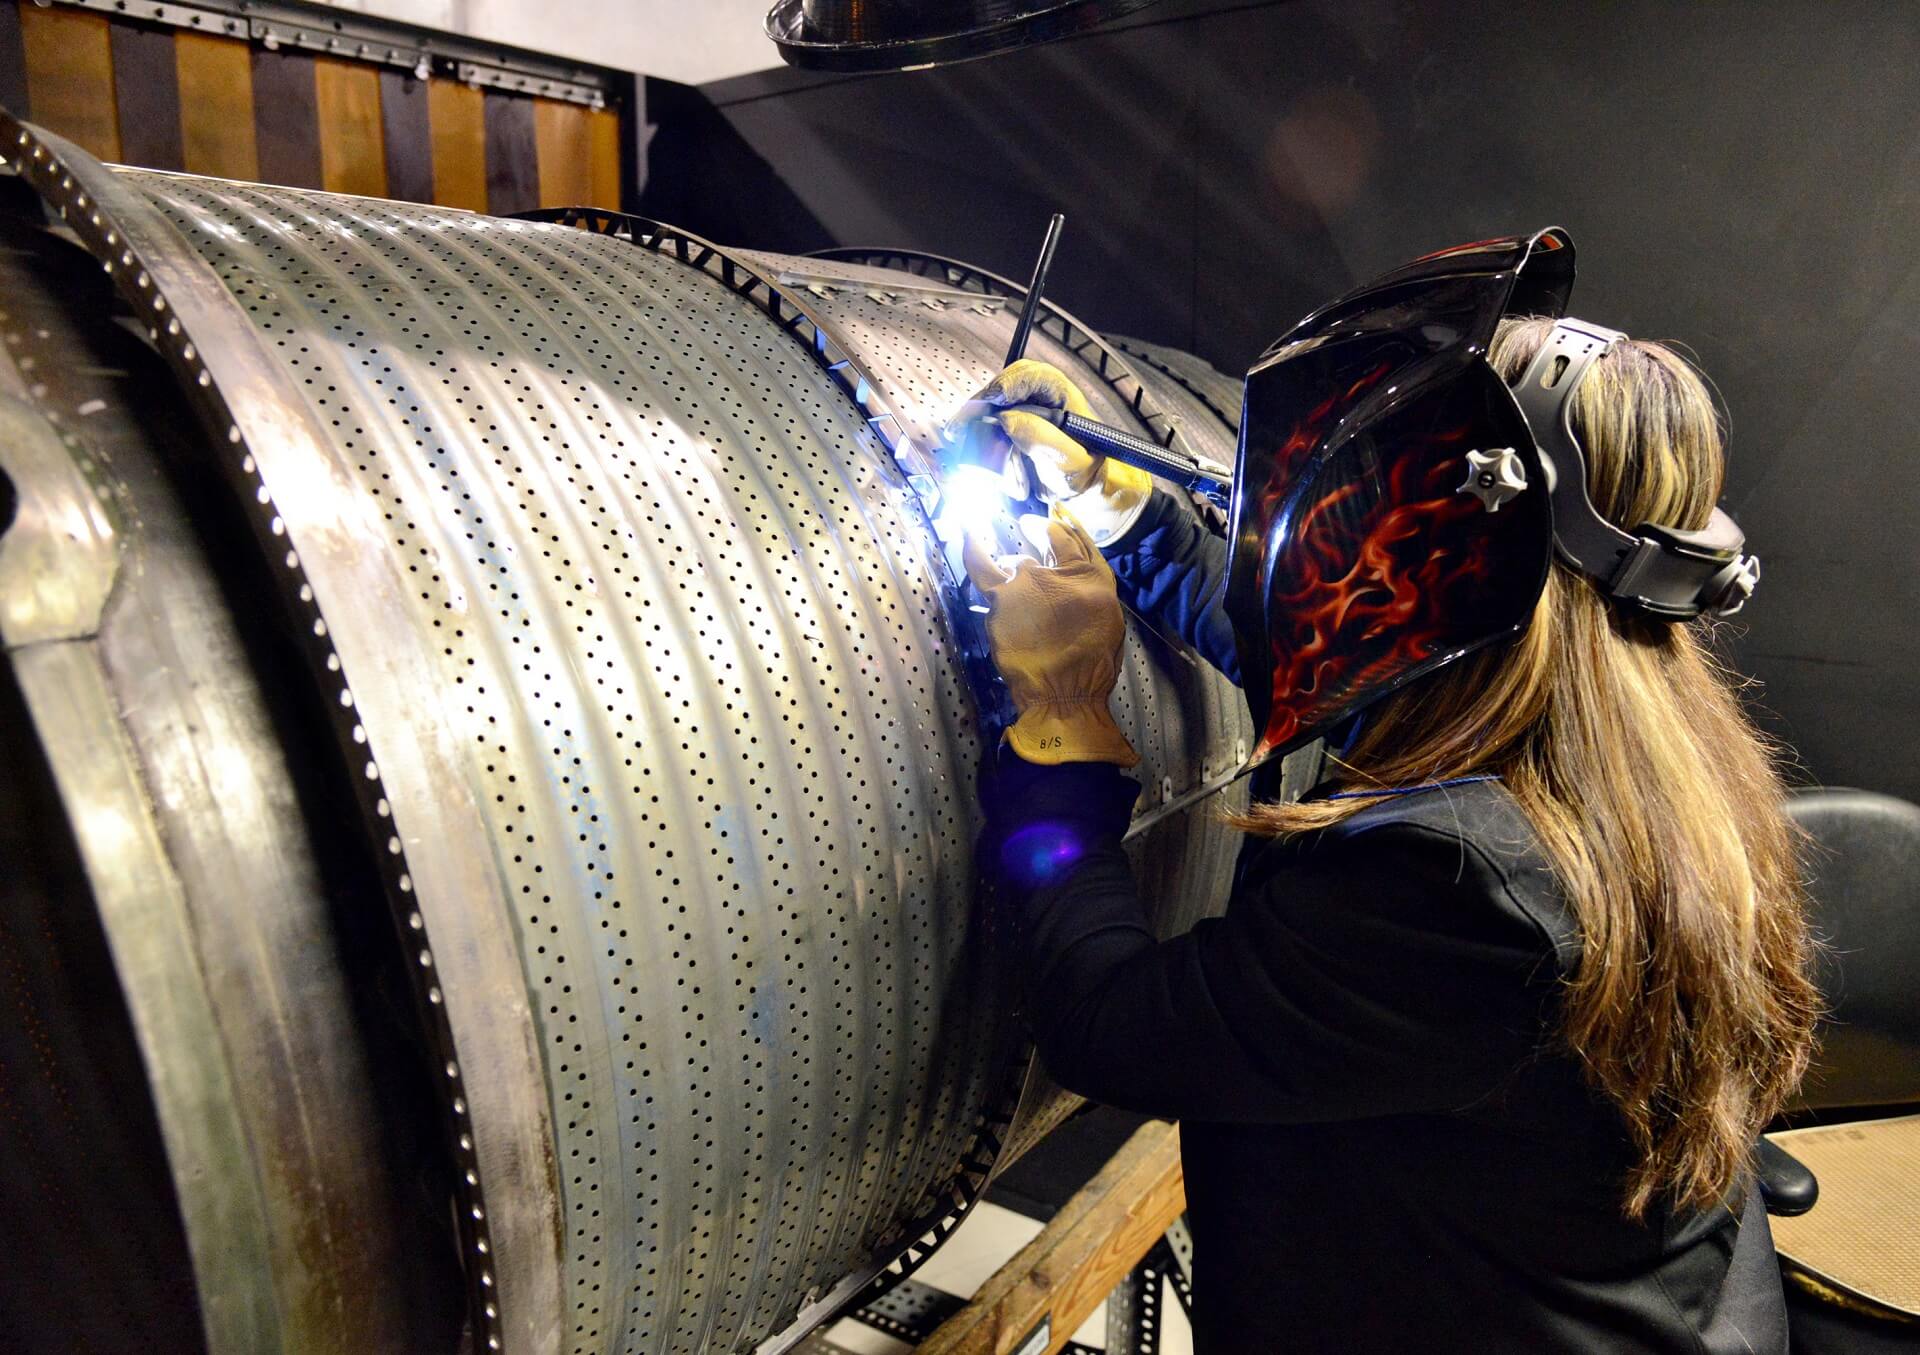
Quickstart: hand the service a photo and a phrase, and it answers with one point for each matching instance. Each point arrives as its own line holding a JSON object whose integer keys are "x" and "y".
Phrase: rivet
{"x": 346, "y": 696}
{"x": 371, "y": 772}
{"x": 415, "y": 921}
{"x": 453, "y": 1069}
{"x": 246, "y": 465}
{"x": 433, "y": 995}
{"x": 393, "y": 846}
{"x": 459, "y": 1105}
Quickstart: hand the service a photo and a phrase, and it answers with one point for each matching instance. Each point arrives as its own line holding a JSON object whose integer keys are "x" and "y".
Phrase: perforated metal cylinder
{"x": 612, "y": 559}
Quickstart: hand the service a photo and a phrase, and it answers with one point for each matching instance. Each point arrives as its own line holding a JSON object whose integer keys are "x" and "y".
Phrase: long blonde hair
{"x": 1658, "y": 804}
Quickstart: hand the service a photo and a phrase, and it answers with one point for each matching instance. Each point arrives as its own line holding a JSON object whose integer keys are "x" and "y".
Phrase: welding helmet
{"x": 1396, "y": 505}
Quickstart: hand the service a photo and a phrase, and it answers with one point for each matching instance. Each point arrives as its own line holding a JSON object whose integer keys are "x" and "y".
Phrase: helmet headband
{"x": 1661, "y": 571}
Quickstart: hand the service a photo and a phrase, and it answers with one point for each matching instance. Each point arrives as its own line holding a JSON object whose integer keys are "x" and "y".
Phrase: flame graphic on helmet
{"x": 1381, "y": 571}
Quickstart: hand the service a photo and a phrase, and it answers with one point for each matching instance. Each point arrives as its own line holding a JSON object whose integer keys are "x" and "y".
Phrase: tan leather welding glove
{"x": 1105, "y": 495}
{"x": 1056, "y": 633}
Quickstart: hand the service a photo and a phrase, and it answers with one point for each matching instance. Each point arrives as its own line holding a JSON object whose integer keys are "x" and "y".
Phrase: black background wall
{"x": 1745, "y": 178}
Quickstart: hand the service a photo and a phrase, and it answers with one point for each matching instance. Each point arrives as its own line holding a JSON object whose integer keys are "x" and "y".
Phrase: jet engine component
{"x": 571, "y": 595}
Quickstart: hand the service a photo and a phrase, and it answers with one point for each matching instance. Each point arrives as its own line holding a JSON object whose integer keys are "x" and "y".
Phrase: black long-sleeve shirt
{"x": 1386, "y": 1146}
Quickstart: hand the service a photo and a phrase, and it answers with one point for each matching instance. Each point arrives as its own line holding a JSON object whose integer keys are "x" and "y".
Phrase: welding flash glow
{"x": 970, "y": 499}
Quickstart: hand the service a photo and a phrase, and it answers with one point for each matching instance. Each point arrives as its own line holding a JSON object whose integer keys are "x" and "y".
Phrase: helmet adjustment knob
{"x": 1494, "y": 476}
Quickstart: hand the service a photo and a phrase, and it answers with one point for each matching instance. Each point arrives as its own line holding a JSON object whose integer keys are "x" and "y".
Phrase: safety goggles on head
{"x": 1396, "y": 505}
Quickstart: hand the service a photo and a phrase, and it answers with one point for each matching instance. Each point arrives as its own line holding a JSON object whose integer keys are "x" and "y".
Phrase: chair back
{"x": 1865, "y": 894}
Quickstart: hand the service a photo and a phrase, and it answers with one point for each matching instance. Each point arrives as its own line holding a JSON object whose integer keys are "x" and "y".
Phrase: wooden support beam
{"x": 1060, "y": 1277}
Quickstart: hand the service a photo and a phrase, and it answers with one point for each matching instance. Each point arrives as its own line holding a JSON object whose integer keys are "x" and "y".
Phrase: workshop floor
{"x": 986, "y": 1241}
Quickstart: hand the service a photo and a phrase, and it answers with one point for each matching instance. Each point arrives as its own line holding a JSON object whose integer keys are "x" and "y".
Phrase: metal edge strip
{"x": 511, "y": 1257}
{"x": 353, "y": 35}
{"x": 49, "y": 633}
{"x": 144, "y": 908}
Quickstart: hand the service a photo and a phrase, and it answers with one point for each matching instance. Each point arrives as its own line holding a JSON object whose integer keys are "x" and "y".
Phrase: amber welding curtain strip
{"x": 216, "y": 106}
{"x": 353, "y": 157}
{"x": 406, "y": 136}
{"x": 566, "y": 165}
{"x": 513, "y": 155}
{"x": 579, "y": 154}
{"x": 286, "y": 119}
{"x": 459, "y": 145}
{"x": 70, "y": 77}
{"x": 604, "y": 154}
{"x": 146, "y": 89}
{"x": 13, "y": 63}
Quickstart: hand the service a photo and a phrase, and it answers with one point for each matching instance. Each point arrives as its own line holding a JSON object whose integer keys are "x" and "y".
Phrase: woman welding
{"x": 1477, "y": 1057}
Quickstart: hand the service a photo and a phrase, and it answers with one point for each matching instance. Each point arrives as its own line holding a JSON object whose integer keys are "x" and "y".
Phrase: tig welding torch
{"x": 1189, "y": 472}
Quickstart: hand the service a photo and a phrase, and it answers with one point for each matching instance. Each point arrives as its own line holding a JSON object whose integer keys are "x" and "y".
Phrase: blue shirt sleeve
{"x": 1173, "y": 571}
